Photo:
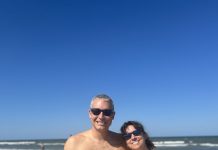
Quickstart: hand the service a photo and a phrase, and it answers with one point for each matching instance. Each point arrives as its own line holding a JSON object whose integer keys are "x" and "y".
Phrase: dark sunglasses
{"x": 106, "y": 112}
{"x": 127, "y": 136}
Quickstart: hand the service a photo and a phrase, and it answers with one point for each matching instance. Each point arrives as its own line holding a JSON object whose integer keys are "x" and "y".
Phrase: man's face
{"x": 101, "y": 121}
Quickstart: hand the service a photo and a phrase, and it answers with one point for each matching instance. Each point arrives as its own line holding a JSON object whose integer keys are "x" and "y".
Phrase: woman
{"x": 135, "y": 136}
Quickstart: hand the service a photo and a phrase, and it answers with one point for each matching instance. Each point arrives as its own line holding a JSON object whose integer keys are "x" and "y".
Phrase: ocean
{"x": 161, "y": 143}
{"x": 186, "y": 143}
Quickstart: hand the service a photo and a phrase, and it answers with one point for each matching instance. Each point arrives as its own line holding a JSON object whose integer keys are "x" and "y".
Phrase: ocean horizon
{"x": 161, "y": 143}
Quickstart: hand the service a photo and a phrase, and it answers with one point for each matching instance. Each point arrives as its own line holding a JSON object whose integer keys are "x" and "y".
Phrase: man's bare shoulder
{"x": 73, "y": 142}
{"x": 117, "y": 140}
{"x": 116, "y": 136}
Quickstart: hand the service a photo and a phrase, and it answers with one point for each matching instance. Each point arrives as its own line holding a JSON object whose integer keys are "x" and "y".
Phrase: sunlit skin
{"x": 100, "y": 122}
{"x": 135, "y": 142}
{"x": 99, "y": 137}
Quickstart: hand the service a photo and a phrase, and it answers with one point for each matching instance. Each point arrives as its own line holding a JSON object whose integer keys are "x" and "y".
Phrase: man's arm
{"x": 70, "y": 144}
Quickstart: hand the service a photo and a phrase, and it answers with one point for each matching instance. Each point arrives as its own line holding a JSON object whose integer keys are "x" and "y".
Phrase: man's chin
{"x": 101, "y": 127}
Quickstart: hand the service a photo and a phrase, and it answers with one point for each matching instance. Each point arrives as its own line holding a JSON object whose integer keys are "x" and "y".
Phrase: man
{"x": 99, "y": 137}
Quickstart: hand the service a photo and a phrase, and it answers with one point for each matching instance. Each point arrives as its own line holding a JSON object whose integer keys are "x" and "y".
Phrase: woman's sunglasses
{"x": 106, "y": 112}
{"x": 127, "y": 136}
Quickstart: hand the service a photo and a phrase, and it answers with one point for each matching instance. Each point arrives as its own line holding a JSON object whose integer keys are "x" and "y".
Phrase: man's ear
{"x": 89, "y": 111}
{"x": 113, "y": 115}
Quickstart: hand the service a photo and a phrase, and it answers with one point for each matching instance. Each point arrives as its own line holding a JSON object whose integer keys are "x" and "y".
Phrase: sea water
{"x": 187, "y": 143}
{"x": 49, "y": 144}
{"x": 161, "y": 143}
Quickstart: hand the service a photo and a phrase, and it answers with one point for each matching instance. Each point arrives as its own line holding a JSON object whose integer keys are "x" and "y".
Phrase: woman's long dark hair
{"x": 139, "y": 127}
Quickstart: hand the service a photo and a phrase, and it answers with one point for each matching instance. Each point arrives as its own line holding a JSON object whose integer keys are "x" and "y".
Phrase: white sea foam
{"x": 53, "y": 143}
{"x": 170, "y": 144}
{"x": 182, "y": 144}
{"x": 209, "y": 144}
{"x": 18, "y": 143}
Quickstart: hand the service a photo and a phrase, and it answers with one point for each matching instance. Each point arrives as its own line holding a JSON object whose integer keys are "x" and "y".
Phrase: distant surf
{"x": 187, "y": 143}
{"x": 161, "y": 143}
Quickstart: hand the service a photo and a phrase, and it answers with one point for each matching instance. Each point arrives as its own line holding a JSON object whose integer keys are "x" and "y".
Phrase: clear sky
{"x": 158, "y": 60}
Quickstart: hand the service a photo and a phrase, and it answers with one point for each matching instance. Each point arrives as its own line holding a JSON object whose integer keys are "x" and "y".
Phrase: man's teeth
{"x": 101, "y": 123}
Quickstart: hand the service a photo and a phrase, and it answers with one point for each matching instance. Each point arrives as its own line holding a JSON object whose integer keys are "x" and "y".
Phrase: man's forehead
{"x": 101, "y": 101}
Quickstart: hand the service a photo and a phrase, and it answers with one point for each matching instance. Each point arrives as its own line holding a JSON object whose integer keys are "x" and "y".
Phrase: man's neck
{"x": 99, "y": 135}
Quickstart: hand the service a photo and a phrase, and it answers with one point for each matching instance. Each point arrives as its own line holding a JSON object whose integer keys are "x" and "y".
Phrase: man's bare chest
{"x": 100, "y": 146}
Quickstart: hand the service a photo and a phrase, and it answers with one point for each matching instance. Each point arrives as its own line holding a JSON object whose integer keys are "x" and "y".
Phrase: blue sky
{"x": 156, "y": 59}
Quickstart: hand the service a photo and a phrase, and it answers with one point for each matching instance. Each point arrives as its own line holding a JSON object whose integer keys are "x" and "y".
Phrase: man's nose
{"x": 101, "y": 115}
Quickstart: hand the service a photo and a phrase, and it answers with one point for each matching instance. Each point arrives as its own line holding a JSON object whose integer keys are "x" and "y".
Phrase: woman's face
{"x": 135, "y": 139}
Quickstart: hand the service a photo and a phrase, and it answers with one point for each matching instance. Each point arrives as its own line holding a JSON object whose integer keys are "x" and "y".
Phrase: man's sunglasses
{"x": 127, "y": 136}
{"x": 106, "y": 112}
